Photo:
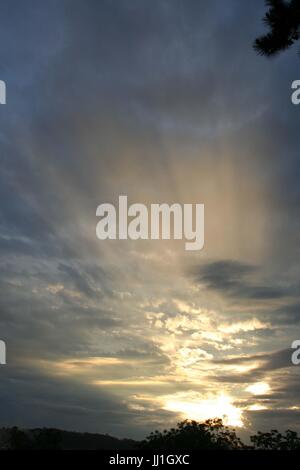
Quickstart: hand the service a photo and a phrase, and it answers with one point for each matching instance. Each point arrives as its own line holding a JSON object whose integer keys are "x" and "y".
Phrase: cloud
{"x": 244, "y": 326}
{"x": 280, "y": 419}
{"x": 69, "y": 404}
{"x": 163, "y": 101}
{"x": 258, "y": 388}
{"x": 233, "y": 278}
{"x": 288, "y": 314}
{"x": 273, "y": 360}
{"x": 254, "y": 368}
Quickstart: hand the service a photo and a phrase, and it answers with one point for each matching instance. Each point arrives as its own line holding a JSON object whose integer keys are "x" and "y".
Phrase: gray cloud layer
{"x": 163, "y": 101}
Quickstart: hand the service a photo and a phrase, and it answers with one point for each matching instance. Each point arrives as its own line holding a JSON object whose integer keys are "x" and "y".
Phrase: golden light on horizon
{"x": 200, "y": 410}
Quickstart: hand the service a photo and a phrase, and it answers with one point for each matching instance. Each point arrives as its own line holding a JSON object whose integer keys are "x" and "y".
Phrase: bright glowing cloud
{"x": 191, "y": 356}
{"x": 244, "y": 326}
{"x": 257, "y": 407}
{"x": 259, "y": 388}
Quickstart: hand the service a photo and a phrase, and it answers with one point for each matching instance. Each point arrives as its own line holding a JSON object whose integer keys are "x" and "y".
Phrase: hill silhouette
{"x": 56, "y": 439}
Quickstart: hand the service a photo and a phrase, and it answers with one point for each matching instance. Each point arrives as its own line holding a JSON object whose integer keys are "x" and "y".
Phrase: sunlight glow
{"x": 257, "y": 407}
{"x": 259, "y": 388}
{"x": 219, "y": 407}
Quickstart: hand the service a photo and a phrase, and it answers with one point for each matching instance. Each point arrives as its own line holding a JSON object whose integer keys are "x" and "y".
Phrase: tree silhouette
{"x": 214, "y": 435}
{"x": 274, "y": 440}
{"x": 210, "y": 435}
{"x": 283, "y": 20}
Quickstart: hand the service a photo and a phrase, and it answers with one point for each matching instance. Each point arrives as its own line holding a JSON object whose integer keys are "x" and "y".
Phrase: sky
{"x": 162, "y": 101}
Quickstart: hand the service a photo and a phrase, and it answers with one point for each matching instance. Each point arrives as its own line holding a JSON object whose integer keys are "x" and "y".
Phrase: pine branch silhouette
{"x": 283, "y": 21}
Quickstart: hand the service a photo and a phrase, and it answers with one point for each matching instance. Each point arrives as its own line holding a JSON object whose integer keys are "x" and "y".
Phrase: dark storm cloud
{"x": 232, "y": 278}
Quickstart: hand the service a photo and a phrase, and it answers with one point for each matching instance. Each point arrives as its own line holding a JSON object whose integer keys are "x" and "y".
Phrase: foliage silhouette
{"x": 214, "y": 435}
{"x": 274, "y": 440}
{"x": 210, "y": 435}
{"x": 283, "y": 20}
